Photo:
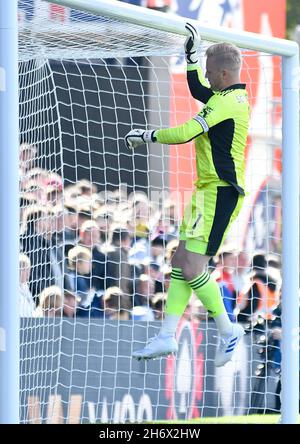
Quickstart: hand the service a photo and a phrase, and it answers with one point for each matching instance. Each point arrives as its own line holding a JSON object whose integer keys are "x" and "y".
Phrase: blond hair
{"x": 116, "y": 300}
{"x": 112, "y": 291}
{"x": 76, "y": 254}
{"x": 87, "y": 226}
{"x": 24, "y": 261}
{"x": 228, "y": 56}
{"x": 50, "y": 299}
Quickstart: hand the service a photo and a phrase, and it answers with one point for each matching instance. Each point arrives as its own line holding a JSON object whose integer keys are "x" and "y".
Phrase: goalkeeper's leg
{"x": 218, "y": 207}
{"x": 185, "y": 265}
{"x": 196, "y": 247}
{"x": 179, "y": 294}
{"x": 188, "y": 274}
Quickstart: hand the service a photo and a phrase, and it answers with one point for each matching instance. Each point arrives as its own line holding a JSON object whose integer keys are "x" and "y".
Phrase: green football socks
{"x": 208, "y": 291}
{"x": 179, "y": 293}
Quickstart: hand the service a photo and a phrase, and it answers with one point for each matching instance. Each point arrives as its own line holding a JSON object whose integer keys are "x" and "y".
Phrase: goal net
{"x": 100, "y": 223}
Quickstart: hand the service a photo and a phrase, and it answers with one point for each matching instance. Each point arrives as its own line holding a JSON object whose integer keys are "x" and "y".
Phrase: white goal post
{"x": 9, "y": 208}
{"x": 9, "y": 228}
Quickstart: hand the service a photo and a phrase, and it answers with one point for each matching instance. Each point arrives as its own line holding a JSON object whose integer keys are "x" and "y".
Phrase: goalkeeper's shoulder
{"x": 232, "y": 97}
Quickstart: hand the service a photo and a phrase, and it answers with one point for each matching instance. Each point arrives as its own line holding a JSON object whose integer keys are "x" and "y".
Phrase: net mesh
{"x": 86, "y": 303}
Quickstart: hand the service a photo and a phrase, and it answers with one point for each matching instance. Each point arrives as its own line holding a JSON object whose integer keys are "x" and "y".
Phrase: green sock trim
{"x": 177, "y": 274}
{"x": 199, "y": 281}
{"x": 208, "y": 291}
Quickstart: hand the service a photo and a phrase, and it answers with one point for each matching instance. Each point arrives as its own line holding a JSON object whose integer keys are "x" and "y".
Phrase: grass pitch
{"x": 250, "y": 419}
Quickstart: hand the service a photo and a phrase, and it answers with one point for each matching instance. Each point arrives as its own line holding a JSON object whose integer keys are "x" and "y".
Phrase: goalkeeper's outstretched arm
{"x": 197, "y": 84}
{"x": 218, "y": 110}
{"x": 177, "y": 135}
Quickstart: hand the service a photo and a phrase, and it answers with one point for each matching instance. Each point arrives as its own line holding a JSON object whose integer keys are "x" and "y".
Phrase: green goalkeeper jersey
{"x": 219, "y": 130}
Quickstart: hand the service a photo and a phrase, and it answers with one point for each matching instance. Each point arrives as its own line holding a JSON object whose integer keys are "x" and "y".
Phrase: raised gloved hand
{"x": 138, "y": 137}
{"x": 191, "y": 44}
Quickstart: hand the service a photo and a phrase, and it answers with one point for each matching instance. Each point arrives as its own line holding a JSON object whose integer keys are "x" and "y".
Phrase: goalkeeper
{"x": 219, "y": 132}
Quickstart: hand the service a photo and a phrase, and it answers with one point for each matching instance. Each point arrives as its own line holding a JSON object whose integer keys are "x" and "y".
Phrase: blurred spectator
{"x": 241, "y": 276}
{"x": 141, "y": 211}
{"x": 274, "y": 342}
{"x": 274, "y": 269}
{"x": 144, "y": 290}
{"x": 110, "y": 198}
{"x": 58, "y": 247}
{"x": 86, "y": 187}
{"x": 158, "y": 302}
{"x": 138, "y": 196}
{"x": 37, "y": 175}
{"x": 71, "y": 302}
{"x": 27, "y": 305}
{"x": 31, "y": 181}
{"x": 157, "y": 250}
{"x": 84, "y": 214}
{"x": 36, "y": 190}
{"x": 164, "y": 229}
{"x": 119, "y": 273}
{"x": 140, "y": 249}
{"x": 27, "y": 200}
{"x": 154, "y": 271}
{"x": 166, "y": 278}
{"x": 173, "y": 211}
{"x": 50, "y": 302}
{"x": 80, "y": 266}
{"x": 70, "y": 224}
{"x": 90, "y": 238}
{"x": 136, "y": 2}
{"x": 27, "y": 156}
{"x": 172, "y": 214}
{"x": 104, "y": 218}
{"x": 142, "y": 313}
{"x": 71, "y": 193}
{"x": 159, "y": 5}
{"x": 36, "y": 244}
{"x": 162, "y": 282}
{"x": 53, "y": 180}
{"x": 116, "y": 304}
{"x": 120, "y": 195}
{"x": 261, "y": 296}
{"x": 54, "y": 195}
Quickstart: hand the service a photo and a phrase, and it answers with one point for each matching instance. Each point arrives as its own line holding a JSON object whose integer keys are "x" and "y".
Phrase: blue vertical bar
{"x": 9, "y": 214}
{"x": 290, "y": 240}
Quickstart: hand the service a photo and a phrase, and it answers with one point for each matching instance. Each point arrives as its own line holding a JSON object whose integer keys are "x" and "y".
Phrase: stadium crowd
{"x": 111, "y": 254}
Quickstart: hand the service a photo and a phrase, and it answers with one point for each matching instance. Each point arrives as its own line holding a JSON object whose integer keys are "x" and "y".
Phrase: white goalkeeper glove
{"x": 138, "y": 137}
{"x": 191, "y": 44}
